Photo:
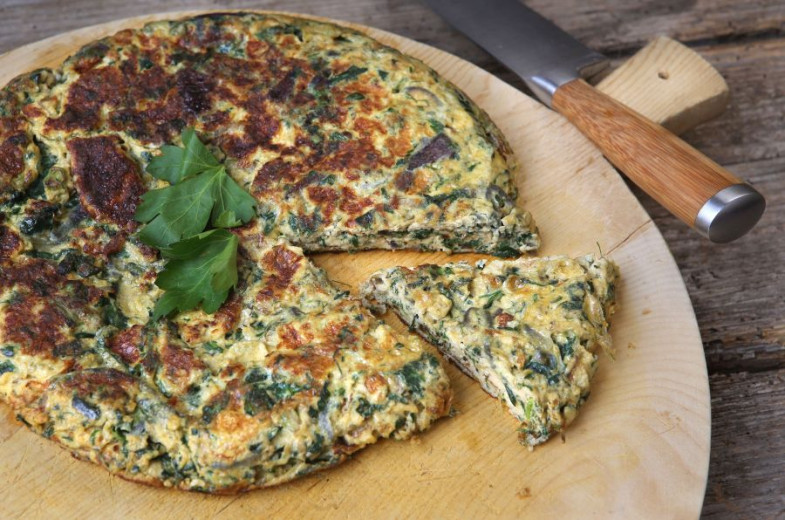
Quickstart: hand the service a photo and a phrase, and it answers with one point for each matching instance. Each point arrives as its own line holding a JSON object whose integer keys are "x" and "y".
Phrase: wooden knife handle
{"x": 693, "y": 187}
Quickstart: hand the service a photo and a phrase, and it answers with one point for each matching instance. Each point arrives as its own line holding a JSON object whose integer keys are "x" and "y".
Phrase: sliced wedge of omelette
{"x": 347, "y": 144}
{"x": 528, "y": 330}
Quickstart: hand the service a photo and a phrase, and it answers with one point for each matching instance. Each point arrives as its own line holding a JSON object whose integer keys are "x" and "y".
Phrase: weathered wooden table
{"x": 738, "y": 290}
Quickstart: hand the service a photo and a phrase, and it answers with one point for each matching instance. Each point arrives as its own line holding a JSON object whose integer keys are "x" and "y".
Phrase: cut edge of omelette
{"x": 528, "y": 330}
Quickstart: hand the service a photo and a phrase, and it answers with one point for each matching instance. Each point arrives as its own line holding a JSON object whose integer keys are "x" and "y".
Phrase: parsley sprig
{"x": 200, "y": 190}
{"x": 201, "y": 265}
{"x": 199, "y": 270}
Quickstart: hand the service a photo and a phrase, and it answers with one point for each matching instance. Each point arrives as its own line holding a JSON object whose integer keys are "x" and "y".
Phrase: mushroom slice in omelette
{"x": 291, "y": 375}
{"x": 528, "y": 330}
{"x": 346, "y": 143}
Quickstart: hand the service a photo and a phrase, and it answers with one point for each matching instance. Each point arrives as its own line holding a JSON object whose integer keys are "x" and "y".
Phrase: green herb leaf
{"x": 436, "y": 126}
{"x": 175, "y": 163}
{"x": 201, "y": 270}
{"x": 349, "y": 74}
{"x": 178, "y": 211}
{"x": 233, "y": 205}
{"x": 201, "y": 190}
{"x": 492, "y": 297}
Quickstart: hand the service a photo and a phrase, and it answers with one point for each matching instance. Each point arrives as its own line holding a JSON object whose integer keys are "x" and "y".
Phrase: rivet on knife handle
{"x": 693, "y": 187}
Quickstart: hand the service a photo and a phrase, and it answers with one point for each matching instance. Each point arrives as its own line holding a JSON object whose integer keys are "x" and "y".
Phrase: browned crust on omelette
{"x": 108, "y": 181}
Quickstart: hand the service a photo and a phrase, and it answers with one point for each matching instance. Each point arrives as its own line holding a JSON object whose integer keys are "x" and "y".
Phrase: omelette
{"x": 528, "y": 330}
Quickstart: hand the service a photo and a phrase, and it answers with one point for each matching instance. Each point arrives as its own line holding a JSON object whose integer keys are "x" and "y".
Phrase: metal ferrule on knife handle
{"x": 693, "y": 187}
{"x": 697, "y": 190}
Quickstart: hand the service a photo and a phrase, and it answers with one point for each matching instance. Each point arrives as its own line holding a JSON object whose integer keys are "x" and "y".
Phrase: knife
{"x": 553, "y": 65}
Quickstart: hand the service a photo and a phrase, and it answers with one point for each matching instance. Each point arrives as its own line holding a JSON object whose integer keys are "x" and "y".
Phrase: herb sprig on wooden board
{"x": 201, "y": 265}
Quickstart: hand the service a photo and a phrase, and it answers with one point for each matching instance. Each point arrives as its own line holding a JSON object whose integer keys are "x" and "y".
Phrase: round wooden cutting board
{"x": 639, "y": 448}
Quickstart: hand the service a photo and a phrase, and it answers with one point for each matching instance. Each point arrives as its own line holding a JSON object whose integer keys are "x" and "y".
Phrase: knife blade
{"x": 553, "y": 65}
